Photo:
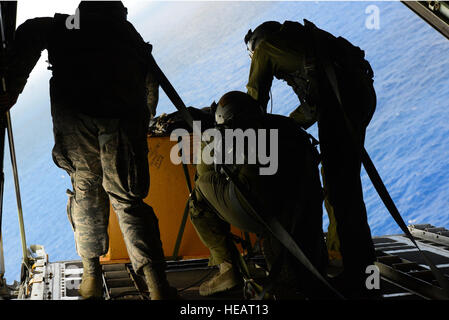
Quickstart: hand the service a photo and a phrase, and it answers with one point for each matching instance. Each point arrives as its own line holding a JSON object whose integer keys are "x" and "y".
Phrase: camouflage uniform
{"x": 288, "y": 55}
{"x": 107, "y": 160}
{"x": 102, "y": 97}
{"x": 293, "y": 194}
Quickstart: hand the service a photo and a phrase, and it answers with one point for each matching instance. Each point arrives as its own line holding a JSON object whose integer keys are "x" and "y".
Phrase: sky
{"x": 196, "y": 45}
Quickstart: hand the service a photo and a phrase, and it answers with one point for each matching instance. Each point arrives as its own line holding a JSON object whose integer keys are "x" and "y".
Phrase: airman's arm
{"x": 260, "y": 77}
{"x": 31, "y": 39}
{"x": 152, "y": 93}
{"x": 272, "y": 59}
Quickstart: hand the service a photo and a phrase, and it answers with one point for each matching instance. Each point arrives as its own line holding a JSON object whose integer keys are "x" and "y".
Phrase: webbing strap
{"x": 270, "y": 222}
{"x": 366, "y": 160}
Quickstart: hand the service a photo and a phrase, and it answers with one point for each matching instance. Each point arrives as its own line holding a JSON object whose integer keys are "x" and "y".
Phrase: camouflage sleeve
{"x": 31, "y": 39}
{"x": 260, "y": 76}
{"x": 152, "y": 93}
{"x": 272, "y": 58}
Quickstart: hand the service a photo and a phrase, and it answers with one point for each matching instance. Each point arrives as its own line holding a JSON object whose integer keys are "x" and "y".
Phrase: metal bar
{"x": 120, "y": 282}
{"x": 139, "y": 283}
{"x": 186, "y": 211}
{"x": 116, "y": 274}
{"x": 12, "y": 152}
{"x": 184, "y": 216}
{"x": 427, "y": 234}
{"x": 415, "y": 285}
{"x": 2, "y": 183}
{"x": 113, "y": 267}
{"x": 181, "y": 231}
{"x": 123, "y": 291}
{"x": 409, "y": 275}
{"x": 2, "y": 261}
{"x": 2, "y": 157}
{"x": 186, "y": 174}
{"x": 427, "y": 15}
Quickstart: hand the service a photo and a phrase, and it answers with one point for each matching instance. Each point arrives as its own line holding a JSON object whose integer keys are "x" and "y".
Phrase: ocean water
{"x": 200, "y": 47}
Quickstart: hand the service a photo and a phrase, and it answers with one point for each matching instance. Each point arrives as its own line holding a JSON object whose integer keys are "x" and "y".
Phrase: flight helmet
{"x": 237, "y": 109}
{"x": 253, "y": 39}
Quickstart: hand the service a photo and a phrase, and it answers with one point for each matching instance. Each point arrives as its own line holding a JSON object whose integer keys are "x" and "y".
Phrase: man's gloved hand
{"x": 7, "y": 100}
{"x": 305, "y": 115}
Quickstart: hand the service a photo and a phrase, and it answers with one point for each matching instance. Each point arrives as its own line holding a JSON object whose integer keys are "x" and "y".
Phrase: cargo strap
{"x": 270, "y": 222}
{"x": 366, "y": 160}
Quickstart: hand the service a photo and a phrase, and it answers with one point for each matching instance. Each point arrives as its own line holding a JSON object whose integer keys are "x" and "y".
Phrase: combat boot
{"x": 226, "y": 279}
{"x": 91, "y": 284}
{"x": 158, "y": 285}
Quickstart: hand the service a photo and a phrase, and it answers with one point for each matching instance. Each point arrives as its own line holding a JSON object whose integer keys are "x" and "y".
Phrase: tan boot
{"x": 226, "y": 279}
{"x": 92, "y": 283}
{"x": 158, "y": 285}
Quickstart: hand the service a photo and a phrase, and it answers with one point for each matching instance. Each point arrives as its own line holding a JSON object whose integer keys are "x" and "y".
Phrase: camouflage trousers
{"x": 215, "y": 206}
{"x": 213, "y": 211}
{"x": 107, "y": 162}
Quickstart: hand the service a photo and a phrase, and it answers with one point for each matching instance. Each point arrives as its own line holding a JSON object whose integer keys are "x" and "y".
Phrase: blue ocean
{"x": 200, "y": 47}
